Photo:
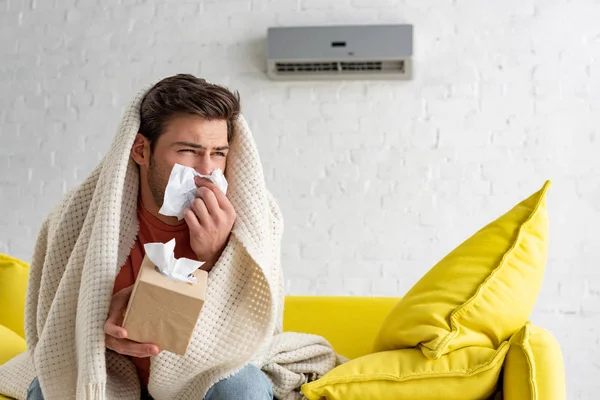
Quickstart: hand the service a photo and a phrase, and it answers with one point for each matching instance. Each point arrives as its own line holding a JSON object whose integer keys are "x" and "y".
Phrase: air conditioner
{"x": 340, "y": 52}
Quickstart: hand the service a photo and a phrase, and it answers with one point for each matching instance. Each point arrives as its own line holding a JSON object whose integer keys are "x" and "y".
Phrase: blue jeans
{"x": 250, "y": 383}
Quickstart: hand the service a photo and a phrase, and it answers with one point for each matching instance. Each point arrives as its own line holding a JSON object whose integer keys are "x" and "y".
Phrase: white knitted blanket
{"x": 79, "y": 250}
{"x": 294, "y": 359}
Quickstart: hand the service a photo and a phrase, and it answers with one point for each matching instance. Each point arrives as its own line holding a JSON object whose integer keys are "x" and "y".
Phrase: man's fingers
{"x": 192, "y": 221}
{"x": 212, "y": 205}
{"x": 131, "y": 348}
{"x": 114, "y": 330}
{"x": 140, "y": 349}
{"x": 205, "y": 182}
{"x": 118, "y": 305}
{"x": 201, "y": 210}
{"x": 222, "y": 200}
{"x": 115, "y": 334}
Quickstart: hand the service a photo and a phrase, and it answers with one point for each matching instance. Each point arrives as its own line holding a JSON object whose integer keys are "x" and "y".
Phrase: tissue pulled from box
{"x": 163, "y": 256}
{"x": 181, "y": 189}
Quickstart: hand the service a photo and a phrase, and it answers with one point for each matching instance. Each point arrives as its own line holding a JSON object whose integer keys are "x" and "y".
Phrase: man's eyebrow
{"x": 189, "y": 144}
{"x": 199, "y": 146}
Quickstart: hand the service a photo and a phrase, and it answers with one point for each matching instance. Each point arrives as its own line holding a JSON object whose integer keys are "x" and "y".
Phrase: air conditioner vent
{"x": 302, "y": 67}
{"x": 362, "y": 66}
{"x": 339, "y": 67}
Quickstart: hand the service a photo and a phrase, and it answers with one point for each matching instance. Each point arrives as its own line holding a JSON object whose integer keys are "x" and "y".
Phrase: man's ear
{"x": 140, "y": 150}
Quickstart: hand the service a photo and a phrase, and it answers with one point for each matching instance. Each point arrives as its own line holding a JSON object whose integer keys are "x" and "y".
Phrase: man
{"x": 90, "y": 249}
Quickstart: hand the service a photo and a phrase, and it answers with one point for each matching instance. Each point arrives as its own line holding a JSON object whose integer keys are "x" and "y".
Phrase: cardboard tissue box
{"x": 166, "y": 300}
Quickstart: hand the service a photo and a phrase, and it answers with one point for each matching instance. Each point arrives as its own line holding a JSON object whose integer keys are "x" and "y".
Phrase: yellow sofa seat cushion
{"x": 481, "y": 293}
{"x": 350, "y": 324}
{"x": 534, "y": 368}
{"x": 468, "y": 373}
{"x": 14, "y": 274}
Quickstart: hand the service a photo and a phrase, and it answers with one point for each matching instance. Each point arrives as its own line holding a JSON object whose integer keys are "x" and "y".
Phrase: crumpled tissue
{"x": 163, "y": 256}
{"x": 181, "y": 189}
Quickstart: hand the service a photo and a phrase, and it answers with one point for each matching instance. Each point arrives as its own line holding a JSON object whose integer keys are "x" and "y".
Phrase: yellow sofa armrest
{"x": 11, "y": 345}
{"x": 14, "y": 275}
{"x": 534, "y": 367}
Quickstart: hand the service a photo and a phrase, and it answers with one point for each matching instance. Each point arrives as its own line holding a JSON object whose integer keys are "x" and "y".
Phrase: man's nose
{"x": 204, "y": 166}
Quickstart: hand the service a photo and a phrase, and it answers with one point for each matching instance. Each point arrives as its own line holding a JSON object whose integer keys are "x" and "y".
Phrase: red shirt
{"x": 151, "y": 230}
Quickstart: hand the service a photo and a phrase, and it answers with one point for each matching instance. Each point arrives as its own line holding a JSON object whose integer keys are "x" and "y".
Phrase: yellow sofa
{"x": 350, "y": 324}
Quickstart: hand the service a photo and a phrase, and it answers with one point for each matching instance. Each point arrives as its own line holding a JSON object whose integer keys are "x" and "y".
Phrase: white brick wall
{"x": 378, "y": 180}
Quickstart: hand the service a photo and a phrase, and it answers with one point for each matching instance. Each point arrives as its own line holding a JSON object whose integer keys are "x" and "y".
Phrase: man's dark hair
{"x": 186, "y": 94}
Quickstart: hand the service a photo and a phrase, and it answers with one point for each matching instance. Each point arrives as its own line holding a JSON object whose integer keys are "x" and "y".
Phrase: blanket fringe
{"x": 94, "y": 391}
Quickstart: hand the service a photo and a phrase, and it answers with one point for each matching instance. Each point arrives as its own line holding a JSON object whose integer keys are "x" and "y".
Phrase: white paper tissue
{"x": 163, "y": 256}
{"x": 181, "y": 189}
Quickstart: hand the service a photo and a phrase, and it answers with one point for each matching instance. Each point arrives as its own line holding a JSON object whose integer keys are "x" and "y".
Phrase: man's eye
{"x": 220, "y": 154}
{"x": 187, "y": 151}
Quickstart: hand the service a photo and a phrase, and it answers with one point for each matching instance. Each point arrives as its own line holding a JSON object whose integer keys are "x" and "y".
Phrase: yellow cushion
{"x": 350, "y": 324}
{"x": 11, "y": 344}
{"x": 534, "y": 369}
{"x": 469, "y": 373}
{"x": 481, "y": 293}
{"x": 13, "y": 286}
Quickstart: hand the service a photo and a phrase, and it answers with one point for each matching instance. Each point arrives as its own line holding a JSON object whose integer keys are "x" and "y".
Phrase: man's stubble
{"x": 158, "y": 178}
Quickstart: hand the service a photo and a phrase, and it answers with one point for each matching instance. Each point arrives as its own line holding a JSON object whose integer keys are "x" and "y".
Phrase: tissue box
{"x": 163, "y": 311}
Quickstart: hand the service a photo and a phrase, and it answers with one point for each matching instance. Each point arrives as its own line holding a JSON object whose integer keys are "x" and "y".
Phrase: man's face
{"x": 191, "y": 141}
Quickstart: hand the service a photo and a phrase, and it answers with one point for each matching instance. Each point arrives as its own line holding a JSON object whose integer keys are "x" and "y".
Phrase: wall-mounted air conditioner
{"x": 340, "y": 52}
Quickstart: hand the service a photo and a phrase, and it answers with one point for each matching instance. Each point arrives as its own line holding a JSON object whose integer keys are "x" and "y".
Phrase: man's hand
{"x": 210, "y": 220}
{"x": 116, "y": 336}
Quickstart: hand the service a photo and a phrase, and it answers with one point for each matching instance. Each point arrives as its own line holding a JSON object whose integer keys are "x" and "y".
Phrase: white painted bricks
{"x": 377, "y": 180}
